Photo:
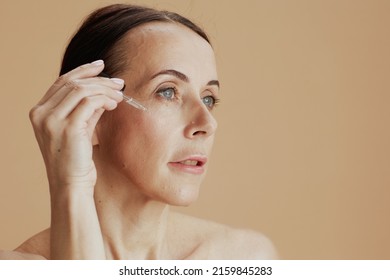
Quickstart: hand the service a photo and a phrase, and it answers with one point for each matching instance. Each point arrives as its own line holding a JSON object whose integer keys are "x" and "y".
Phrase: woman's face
{"x": 163, "y": 152}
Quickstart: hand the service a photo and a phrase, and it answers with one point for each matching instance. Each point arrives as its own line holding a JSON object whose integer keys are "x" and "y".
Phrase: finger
{"x": 83, "y": 71}
{"x": 73, "y": 99}
{"x": 81, "y": 88}
{"x": 94, "y": 119}
{"x": 89, "y": 111}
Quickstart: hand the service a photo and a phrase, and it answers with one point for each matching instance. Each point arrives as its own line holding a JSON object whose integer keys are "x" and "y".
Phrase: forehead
{"x": 168, "y": 45}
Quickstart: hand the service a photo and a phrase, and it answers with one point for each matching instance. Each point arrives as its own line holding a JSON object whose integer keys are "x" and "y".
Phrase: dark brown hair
{"x": 99, "y": 33}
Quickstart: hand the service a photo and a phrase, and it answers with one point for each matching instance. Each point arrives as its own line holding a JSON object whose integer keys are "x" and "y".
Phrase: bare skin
{"x": 200, "y": 239}
{"x": 112, "y": 177}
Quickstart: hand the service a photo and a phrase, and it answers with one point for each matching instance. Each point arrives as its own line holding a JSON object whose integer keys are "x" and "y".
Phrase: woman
{"x": 113, "y": 169}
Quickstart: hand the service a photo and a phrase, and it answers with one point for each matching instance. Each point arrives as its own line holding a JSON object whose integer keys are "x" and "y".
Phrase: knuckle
{"x": 84, "y": 66}
{"x": 101, "y": 80}
{"x": 72, "y": 84}
{"x": 61, "y": 80}
{"x": 67, "y": 82}
{"x": 37, "y": 116}
{"x": 33, "y": 113}
{"x": 49, "y": 125}
{"x": 86, "y": 101}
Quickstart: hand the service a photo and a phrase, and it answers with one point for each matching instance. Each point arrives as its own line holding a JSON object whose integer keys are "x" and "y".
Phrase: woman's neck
{"x": 133, "y": 226}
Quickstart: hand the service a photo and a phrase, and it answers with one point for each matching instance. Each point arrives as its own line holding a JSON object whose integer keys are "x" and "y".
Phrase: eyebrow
{"x": 182, "y": 77}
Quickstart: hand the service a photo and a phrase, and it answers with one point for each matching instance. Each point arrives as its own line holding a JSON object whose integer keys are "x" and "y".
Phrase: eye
{"x": 167, "y": 93}
{"x": 210, "y": 101}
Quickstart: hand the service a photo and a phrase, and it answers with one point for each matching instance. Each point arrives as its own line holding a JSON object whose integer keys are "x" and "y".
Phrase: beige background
{"x": 302, "y": 152}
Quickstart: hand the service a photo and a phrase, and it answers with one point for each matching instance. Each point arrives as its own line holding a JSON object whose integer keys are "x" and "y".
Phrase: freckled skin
{"x": 141, "y": 144}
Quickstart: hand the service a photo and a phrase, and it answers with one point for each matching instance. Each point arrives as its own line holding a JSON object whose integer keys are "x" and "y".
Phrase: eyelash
{"x": 161, "y": 91}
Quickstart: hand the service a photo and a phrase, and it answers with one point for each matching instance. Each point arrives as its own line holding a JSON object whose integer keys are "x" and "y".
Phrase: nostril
{"x": 199, "y": 133}
{"x": 202, "y": 122}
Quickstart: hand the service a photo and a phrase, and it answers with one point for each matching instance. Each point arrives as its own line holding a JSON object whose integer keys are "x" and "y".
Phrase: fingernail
{"x": 98, "y": 62}
{"x": 118, "y": 81}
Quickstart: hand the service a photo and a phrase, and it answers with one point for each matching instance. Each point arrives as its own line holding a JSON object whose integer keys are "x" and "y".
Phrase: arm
{"x": 75, "y": 229}
{"x": 64, "y": 123}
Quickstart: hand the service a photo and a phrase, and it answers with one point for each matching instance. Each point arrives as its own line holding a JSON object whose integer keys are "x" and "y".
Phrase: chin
{"x": 183, "y": 196}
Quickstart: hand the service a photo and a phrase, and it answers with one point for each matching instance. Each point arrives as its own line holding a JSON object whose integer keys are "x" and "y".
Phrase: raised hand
{"x": 64, "y": 123}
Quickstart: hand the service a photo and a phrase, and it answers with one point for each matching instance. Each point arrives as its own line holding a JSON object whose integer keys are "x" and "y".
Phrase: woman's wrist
{"x": 75, "y": 227}
{"x": 71, "y": 192}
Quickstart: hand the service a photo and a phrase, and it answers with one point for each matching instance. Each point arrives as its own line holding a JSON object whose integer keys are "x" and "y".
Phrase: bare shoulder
{"x": 245, "y": 244}
{"x": 35, "y": 248}
{"x": 217, "y": 241}
{"x": 15, "y": 255}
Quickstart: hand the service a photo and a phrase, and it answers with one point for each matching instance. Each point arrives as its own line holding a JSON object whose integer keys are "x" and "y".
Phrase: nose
{"x": 201, "y": 123}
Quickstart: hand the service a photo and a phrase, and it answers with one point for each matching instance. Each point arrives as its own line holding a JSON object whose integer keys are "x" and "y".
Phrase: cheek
{"x": 138, "y": 146}
{"x": 134, "y": 139}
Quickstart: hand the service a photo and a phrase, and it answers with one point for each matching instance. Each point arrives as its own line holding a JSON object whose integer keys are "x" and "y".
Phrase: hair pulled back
{"x": 102, "y": 29}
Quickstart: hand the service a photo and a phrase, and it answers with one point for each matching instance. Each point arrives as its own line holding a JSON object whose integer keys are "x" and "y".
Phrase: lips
{"x": 191, "y": 162}
{"x": 192, "y": 165}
